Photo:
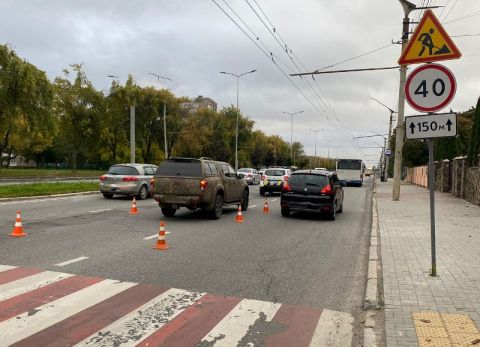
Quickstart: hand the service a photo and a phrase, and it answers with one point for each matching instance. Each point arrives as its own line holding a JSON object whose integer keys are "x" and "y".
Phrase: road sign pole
{"x": 431, "y": 184}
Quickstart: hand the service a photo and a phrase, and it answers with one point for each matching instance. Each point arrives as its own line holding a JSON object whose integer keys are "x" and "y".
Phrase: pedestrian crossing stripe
{"x": 47, "y": 308}
{"x": 430, "y": 42}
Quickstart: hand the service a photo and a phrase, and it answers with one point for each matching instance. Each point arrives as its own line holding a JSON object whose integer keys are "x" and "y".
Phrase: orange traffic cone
{"x": 18, "y": 229}
{"x": 239, "y": 218}
{"x": 161, "y": 241}
{"x": 265, "y": 206}
{"x": 133, "y": 209}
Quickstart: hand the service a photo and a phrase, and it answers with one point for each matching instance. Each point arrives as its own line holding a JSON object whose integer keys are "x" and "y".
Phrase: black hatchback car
{"x": 313, "y": 190}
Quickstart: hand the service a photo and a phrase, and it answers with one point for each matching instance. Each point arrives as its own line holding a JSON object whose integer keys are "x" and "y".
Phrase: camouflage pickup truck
{"x": 198, "y": 183}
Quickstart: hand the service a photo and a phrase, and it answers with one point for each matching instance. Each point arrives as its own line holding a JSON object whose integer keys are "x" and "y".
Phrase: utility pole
{"x": 291, "y": 134}
{"x": 164, "y": 114}
{"x": 315, "y": 131}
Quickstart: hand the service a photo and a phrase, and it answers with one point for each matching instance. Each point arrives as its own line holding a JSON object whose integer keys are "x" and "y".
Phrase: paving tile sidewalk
{"x": 409, "y": 292}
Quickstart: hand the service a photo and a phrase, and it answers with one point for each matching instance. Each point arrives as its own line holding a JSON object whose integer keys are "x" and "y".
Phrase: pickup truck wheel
{"x": 285, "y": 212}
{"x": 168, "y": 211}
{"x": 107, "y": 195}
{"x": 142, "y": 193}
{"x": 217, "y": 211}
{"x": 244, "y": 202}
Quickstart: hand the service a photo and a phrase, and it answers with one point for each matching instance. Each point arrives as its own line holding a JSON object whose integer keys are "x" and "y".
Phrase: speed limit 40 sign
{"x": 430, "y": 87}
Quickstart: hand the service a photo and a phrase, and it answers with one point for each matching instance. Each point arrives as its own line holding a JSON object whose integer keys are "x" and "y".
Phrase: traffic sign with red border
{"x": 430, "y": 87}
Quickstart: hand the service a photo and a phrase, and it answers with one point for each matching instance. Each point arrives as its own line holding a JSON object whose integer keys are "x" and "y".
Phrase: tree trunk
{"x": 74, "y": 161}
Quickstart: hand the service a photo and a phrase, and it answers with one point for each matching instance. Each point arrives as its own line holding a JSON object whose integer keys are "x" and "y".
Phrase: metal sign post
{"x": 431, "y": 185}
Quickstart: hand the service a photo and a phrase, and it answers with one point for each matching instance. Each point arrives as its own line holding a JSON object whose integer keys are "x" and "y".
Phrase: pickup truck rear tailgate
{"x": 186, "y": 186}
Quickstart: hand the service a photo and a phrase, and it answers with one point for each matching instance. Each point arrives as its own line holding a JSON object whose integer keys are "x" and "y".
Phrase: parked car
{"x": 129, "y": 180}
{"x": 251, "y": 175}
{"x": 273, "y": 179}
{"x": 313, "y": 190}
{"x": 321, "y": 169}
{"x": 198, "y": 183}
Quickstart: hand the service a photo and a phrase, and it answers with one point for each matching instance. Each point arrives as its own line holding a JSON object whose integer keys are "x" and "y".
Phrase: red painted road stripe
{"x": 188, "y": 328}
{"x": 28, "y": 301}
{"x": 78, "y": 327}
{"x": 299, "y": 322}
{"x": 16, "y": 274}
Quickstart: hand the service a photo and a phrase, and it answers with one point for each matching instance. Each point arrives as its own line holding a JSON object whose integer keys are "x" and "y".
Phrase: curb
{"x": 371, "y": 301}
{"x": 48, "y": 196}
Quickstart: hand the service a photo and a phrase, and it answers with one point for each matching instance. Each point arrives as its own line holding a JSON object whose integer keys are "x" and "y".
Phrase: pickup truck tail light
{"x": 285, "y": 178}
{"x": 103, "y": 178}
{"x": 286, "y": 187}
{"x": 152, "y": 182}
{"x": 327, "y": 190}
{"x": 203, "y": 185}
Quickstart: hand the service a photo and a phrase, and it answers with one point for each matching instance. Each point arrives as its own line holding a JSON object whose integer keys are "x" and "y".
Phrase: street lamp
{"x": 291, "y": 133}
{"x": 132, "y": 128}
{"x": 315, "y": 131}
{"x": 164, "y": 115}
{"x": 238, "y": 112}
{"x": 387, "y": 161}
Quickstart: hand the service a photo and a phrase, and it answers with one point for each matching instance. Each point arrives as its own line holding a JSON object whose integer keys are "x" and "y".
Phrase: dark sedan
{"x": 312, "y": 190}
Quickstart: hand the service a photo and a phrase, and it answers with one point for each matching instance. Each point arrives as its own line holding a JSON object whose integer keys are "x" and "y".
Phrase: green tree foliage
{"x": 26, "y": 122}
{"x": 79, "y": 107}
{"x": 474, "y": 145}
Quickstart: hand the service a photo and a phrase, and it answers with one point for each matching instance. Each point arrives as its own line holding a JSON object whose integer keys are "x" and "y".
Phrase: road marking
{"x": 253, "y": 206}
{"x": 145, "y": 320}
{"x": 6, "y": 267}
{"x": 236, "y": 325}
{"x": 274, "y": 199}
{"x": 98, "y": 211}
{"x": 333, "y": 329}
{"x": 71, "y": 261}
{"x": 31, "y": 322}
{"x": 154, "y": 236}
{"x": 26, "y": 284}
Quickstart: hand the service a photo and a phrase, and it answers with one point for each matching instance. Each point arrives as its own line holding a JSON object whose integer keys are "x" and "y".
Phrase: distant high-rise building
{"x": 198, "y": 104}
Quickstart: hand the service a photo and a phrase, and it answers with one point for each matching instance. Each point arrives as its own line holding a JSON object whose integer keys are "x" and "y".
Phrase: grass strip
{"x": 36, "y": 173}
{"x": 39, "y": 189}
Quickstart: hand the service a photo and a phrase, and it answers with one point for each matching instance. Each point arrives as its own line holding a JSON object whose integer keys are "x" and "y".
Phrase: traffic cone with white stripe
{"x": 162, "y": 240}
{"x": 239, "y": 218}
{"x": 265, "y": 206}
{"x": 133, "y": 209}
{"x": 18, "y": 228}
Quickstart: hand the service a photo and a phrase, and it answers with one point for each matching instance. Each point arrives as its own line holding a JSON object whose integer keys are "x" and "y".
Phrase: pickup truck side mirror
{"x": 240, "y": 176}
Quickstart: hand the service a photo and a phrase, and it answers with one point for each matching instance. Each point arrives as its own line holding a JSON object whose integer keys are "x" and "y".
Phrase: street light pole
{"x": 164, "y": 114}
{"x": 291, "y": 133}
{"x": 315, "y": 132}
{"x": 238, "y": 112}
{"x": 132, "y": 128}
{"x": 387, "y": 146}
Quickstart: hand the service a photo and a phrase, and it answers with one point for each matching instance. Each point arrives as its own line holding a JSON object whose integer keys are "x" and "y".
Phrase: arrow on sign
{"x": 449, "y": 124}
{"x": 412, "y": 128}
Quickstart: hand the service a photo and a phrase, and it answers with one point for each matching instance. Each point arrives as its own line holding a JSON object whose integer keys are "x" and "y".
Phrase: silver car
{"x": 251, "y": 175}
{"x": 128, "y": 179}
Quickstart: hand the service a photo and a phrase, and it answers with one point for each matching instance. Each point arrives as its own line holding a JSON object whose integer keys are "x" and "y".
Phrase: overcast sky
{"x": 191, "y": 41}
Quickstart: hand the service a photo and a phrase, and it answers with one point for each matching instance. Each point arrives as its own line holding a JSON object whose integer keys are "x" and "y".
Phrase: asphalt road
{"x": 304, "y": 259}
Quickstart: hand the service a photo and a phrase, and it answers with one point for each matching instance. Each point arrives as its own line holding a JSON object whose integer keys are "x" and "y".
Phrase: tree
{"x": 474, "y": 145}
{"x": 79, "y": 108}
{"x": 26, "y": 123}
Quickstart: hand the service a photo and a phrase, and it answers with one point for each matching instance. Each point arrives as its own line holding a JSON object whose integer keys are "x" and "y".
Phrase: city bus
{"x": 350, "y": 171}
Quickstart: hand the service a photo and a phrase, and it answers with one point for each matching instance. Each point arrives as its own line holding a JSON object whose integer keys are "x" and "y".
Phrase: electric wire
{"x": 450, "y": 11}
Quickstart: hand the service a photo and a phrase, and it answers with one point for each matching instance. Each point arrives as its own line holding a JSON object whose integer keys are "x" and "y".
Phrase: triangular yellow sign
{"x": 430, "y": 42}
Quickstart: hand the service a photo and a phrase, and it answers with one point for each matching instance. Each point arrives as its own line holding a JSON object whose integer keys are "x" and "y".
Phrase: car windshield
{"x": 122, "y": 170}
{"x": 308, "y": 180}
{"x": 275, "y": 172}
{"x": 185, "y": 167}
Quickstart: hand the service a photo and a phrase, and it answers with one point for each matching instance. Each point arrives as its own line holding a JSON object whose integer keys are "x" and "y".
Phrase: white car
{"x": 273, "y": 179}
{"x": 251, "y": 175}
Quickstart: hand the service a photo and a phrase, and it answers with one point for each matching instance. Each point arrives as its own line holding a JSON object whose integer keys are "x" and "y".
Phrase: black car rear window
{"x": 122, "y": 170}
{"x": 186, "y": 167}
{"x": 274, "y": 172}
{"x": 308, "y": 179}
